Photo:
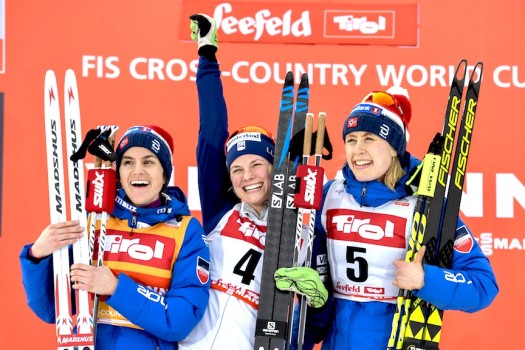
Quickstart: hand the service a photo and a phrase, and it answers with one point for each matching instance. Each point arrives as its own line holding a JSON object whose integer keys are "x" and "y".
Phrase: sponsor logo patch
{"x": 464, "y": 241}
{"x": 203, "y": 270}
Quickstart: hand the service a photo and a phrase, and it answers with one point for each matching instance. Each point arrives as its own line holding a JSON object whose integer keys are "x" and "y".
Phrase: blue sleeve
{"x": 215, "y": 192}
{"x": 37, "y": 278}
{"x": 470, "y": 285}
{"x": 170, "y": 317}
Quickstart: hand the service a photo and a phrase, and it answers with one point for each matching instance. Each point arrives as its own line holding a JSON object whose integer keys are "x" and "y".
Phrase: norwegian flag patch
{"x": 352, "y": 123}
{"x": 203, "y": 270}
{"x": 464, "y": 241}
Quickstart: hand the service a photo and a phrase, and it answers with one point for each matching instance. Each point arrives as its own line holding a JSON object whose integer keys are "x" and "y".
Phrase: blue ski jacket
{"x": 164, "y": 319}
{"x": 469, "y": 285}
{"x": 214, "y": 178}
{"x": 234, "y": 230}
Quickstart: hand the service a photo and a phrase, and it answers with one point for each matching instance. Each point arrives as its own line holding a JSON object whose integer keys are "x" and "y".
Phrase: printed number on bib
{"x": 247, "y": 265}
{"x": 359, "y": 271}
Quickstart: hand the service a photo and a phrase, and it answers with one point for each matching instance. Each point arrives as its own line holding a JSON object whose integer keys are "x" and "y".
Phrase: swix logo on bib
{"x": 366, "y": 227}
{"x": 151, "y": 250}
{"x": 244, "y": 229}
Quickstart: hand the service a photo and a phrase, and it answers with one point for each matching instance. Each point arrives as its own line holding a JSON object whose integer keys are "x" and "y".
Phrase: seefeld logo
{"x": 263, "y": 22}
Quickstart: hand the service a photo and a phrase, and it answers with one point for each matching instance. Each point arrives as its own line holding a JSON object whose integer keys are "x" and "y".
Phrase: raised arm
{"x": 214, "y": 182}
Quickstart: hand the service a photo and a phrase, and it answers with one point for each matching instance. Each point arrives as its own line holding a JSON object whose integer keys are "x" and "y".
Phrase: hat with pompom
{"x": 152, "y": 137}
{"x": 385, "y": 114}
{"x": 250, "y": 140}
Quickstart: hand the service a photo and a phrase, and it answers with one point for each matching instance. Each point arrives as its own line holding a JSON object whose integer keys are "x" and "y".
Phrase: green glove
{"x": 304, "y": 281}
{"x": 204, "y": 31}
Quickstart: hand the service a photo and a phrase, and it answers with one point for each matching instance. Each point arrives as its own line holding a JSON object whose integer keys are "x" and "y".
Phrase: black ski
{"x": 274, "y": 305}
{"x": 423, "y": 329}
{"x": 427, "y": 176}
{"x": 432, "y": 177}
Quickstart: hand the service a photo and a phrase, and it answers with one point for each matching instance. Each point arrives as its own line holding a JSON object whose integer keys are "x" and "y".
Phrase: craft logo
{"x": 359, "y": 24}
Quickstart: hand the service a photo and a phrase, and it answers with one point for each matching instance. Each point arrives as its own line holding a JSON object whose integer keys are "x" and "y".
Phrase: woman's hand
{"x": 56, "y": 236}
{"x": 95, "y": 279}
{"x": 410, "y": 275}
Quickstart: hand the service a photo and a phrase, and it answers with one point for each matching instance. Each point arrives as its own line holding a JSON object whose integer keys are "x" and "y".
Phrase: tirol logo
{"x": 263, "y": 22}
{"x": 242, "y": 228}
{"x": 375, "y": 228}
{"x": 359, "y": 24}
{"x": 134, "y": 247}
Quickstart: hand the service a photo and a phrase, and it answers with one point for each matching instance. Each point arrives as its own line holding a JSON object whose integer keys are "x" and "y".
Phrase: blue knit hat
{"x": 250, "y": 140}
{"x": 385, "y": 114}
{"x": 151, "y": 137}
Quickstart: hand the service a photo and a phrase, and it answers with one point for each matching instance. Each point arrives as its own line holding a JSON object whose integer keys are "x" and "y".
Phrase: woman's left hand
{"x": 95, "y": 279}
{"x": 410, "y": 275}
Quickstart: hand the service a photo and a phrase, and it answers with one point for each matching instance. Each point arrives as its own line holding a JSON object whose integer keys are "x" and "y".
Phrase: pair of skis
{"x": 273, "y": 316}
{"x": 74, "y": 332}
{"x": 416, "y": 323}
{"x": 285, "y": 217}
{"x": 84, "y": 338}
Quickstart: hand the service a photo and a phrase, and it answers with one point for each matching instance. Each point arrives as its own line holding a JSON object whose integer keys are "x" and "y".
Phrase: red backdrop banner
{"x": 135, "y": 64}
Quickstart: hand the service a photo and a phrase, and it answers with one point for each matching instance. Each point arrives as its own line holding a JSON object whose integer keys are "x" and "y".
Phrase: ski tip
{"x": 304, "y": 84}
{"x": 70, "y": 74}
{"x": 304, "y": 78}
{"x": 50, "y": 75}
{"x": 289, "y": 77}
{"x": 461, "y": 70}
{"x": 477, "y": 72}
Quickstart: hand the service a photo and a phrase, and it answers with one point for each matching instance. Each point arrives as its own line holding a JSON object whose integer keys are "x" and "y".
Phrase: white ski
{"x": 67, "y": 339}
{"x": 77, "y": 200}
